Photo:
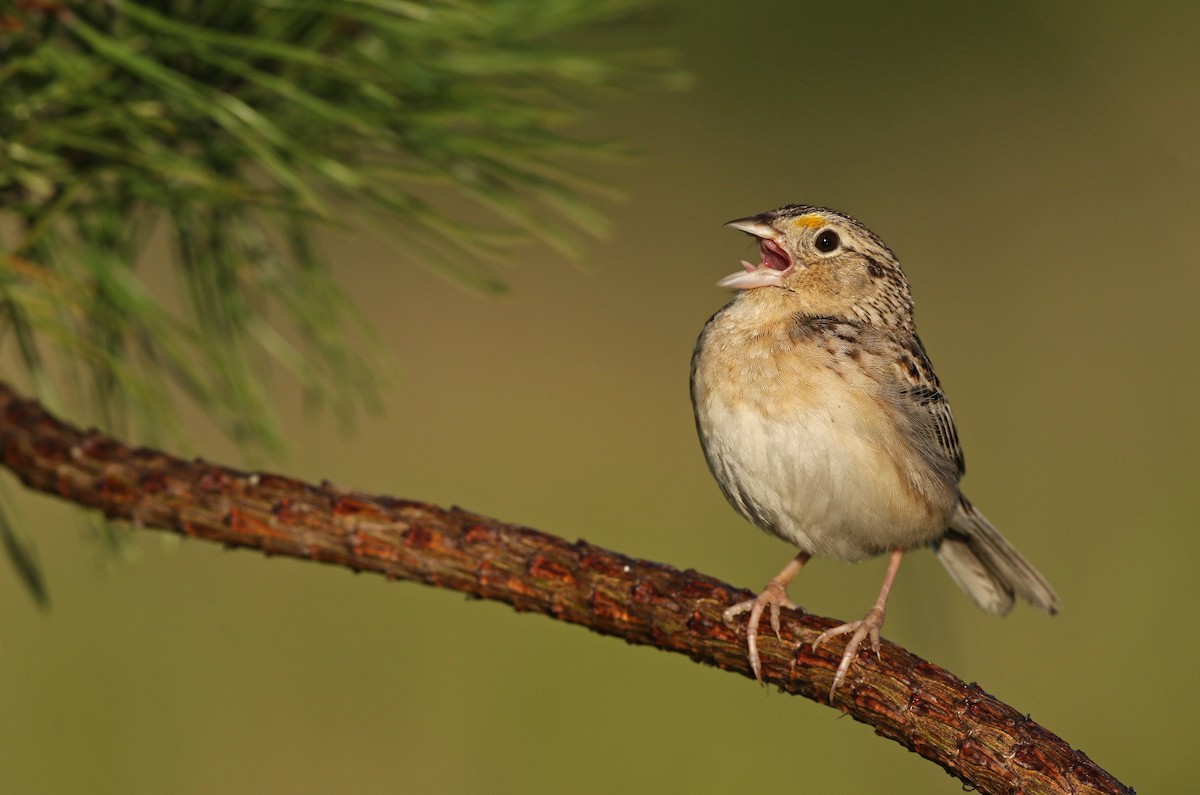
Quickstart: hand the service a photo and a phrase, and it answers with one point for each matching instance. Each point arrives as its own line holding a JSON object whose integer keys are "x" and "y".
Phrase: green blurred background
{"x": 1037, "y": 169}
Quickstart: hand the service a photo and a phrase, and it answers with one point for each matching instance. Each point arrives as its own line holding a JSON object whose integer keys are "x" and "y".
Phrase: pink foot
{"x": 868, "y": 627}
{"x": 773, "y": 596}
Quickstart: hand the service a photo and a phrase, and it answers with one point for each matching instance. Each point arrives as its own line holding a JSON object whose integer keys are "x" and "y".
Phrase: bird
{"x": 824, "y": 424}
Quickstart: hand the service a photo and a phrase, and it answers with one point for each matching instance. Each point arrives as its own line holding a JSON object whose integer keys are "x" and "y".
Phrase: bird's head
{"x": 827, "y": 264}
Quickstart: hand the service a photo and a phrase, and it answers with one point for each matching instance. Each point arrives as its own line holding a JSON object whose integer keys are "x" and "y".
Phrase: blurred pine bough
{"x": 237, "y": 128}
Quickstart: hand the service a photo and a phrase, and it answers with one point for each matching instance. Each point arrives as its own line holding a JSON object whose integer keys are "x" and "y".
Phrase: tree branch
{"x": 976, "y": 738}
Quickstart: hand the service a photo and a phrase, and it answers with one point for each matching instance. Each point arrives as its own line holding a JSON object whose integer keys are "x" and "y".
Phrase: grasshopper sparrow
{"x": 824, "y": 424}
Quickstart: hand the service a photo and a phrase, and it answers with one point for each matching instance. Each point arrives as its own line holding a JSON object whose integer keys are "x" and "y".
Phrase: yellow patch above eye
{"x": 809, "y": 221}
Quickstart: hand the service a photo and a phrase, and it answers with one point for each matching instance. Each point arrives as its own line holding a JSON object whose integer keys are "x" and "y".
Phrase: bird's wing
{"x": 924, "y": 407}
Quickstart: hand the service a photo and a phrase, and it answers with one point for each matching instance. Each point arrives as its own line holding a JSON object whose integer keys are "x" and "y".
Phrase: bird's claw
{"x": 773, "y": 596}
{"x": 866, "y": 628}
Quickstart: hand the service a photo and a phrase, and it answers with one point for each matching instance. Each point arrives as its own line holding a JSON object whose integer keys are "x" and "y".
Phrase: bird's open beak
{"x": 775, "y": 261}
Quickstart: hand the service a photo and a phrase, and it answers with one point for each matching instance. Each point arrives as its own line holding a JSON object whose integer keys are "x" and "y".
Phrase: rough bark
{"x": 984, "y": 742}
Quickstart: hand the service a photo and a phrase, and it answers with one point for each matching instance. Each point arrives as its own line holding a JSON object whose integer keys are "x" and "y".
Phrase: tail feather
{"x": 987, "y": 567}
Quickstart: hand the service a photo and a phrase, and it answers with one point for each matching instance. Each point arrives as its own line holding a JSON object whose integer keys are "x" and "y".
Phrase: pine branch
{"x": 233, "y": 132}
{"x": 973, "y": 736}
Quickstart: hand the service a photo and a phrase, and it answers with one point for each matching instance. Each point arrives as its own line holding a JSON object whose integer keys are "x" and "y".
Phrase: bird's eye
{"x": 826, "y": 241}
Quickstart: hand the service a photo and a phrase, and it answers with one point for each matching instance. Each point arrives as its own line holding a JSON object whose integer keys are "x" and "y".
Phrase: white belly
{"x": 818, "y": 474}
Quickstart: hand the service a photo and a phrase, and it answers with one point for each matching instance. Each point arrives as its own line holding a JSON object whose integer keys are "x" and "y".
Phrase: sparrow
{"x": 824, "y": 424}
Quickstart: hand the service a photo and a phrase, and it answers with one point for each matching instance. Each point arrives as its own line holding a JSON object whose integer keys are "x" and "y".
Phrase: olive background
{"x": 1036, "y": 167}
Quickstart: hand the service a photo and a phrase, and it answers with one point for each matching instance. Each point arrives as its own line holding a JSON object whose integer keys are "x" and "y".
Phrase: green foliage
{"x": 234, "y": 129}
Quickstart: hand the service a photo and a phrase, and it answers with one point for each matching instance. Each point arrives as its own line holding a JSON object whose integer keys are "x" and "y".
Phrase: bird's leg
{"x": 773, "y": 596}
{"x": 868, "y": 627}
